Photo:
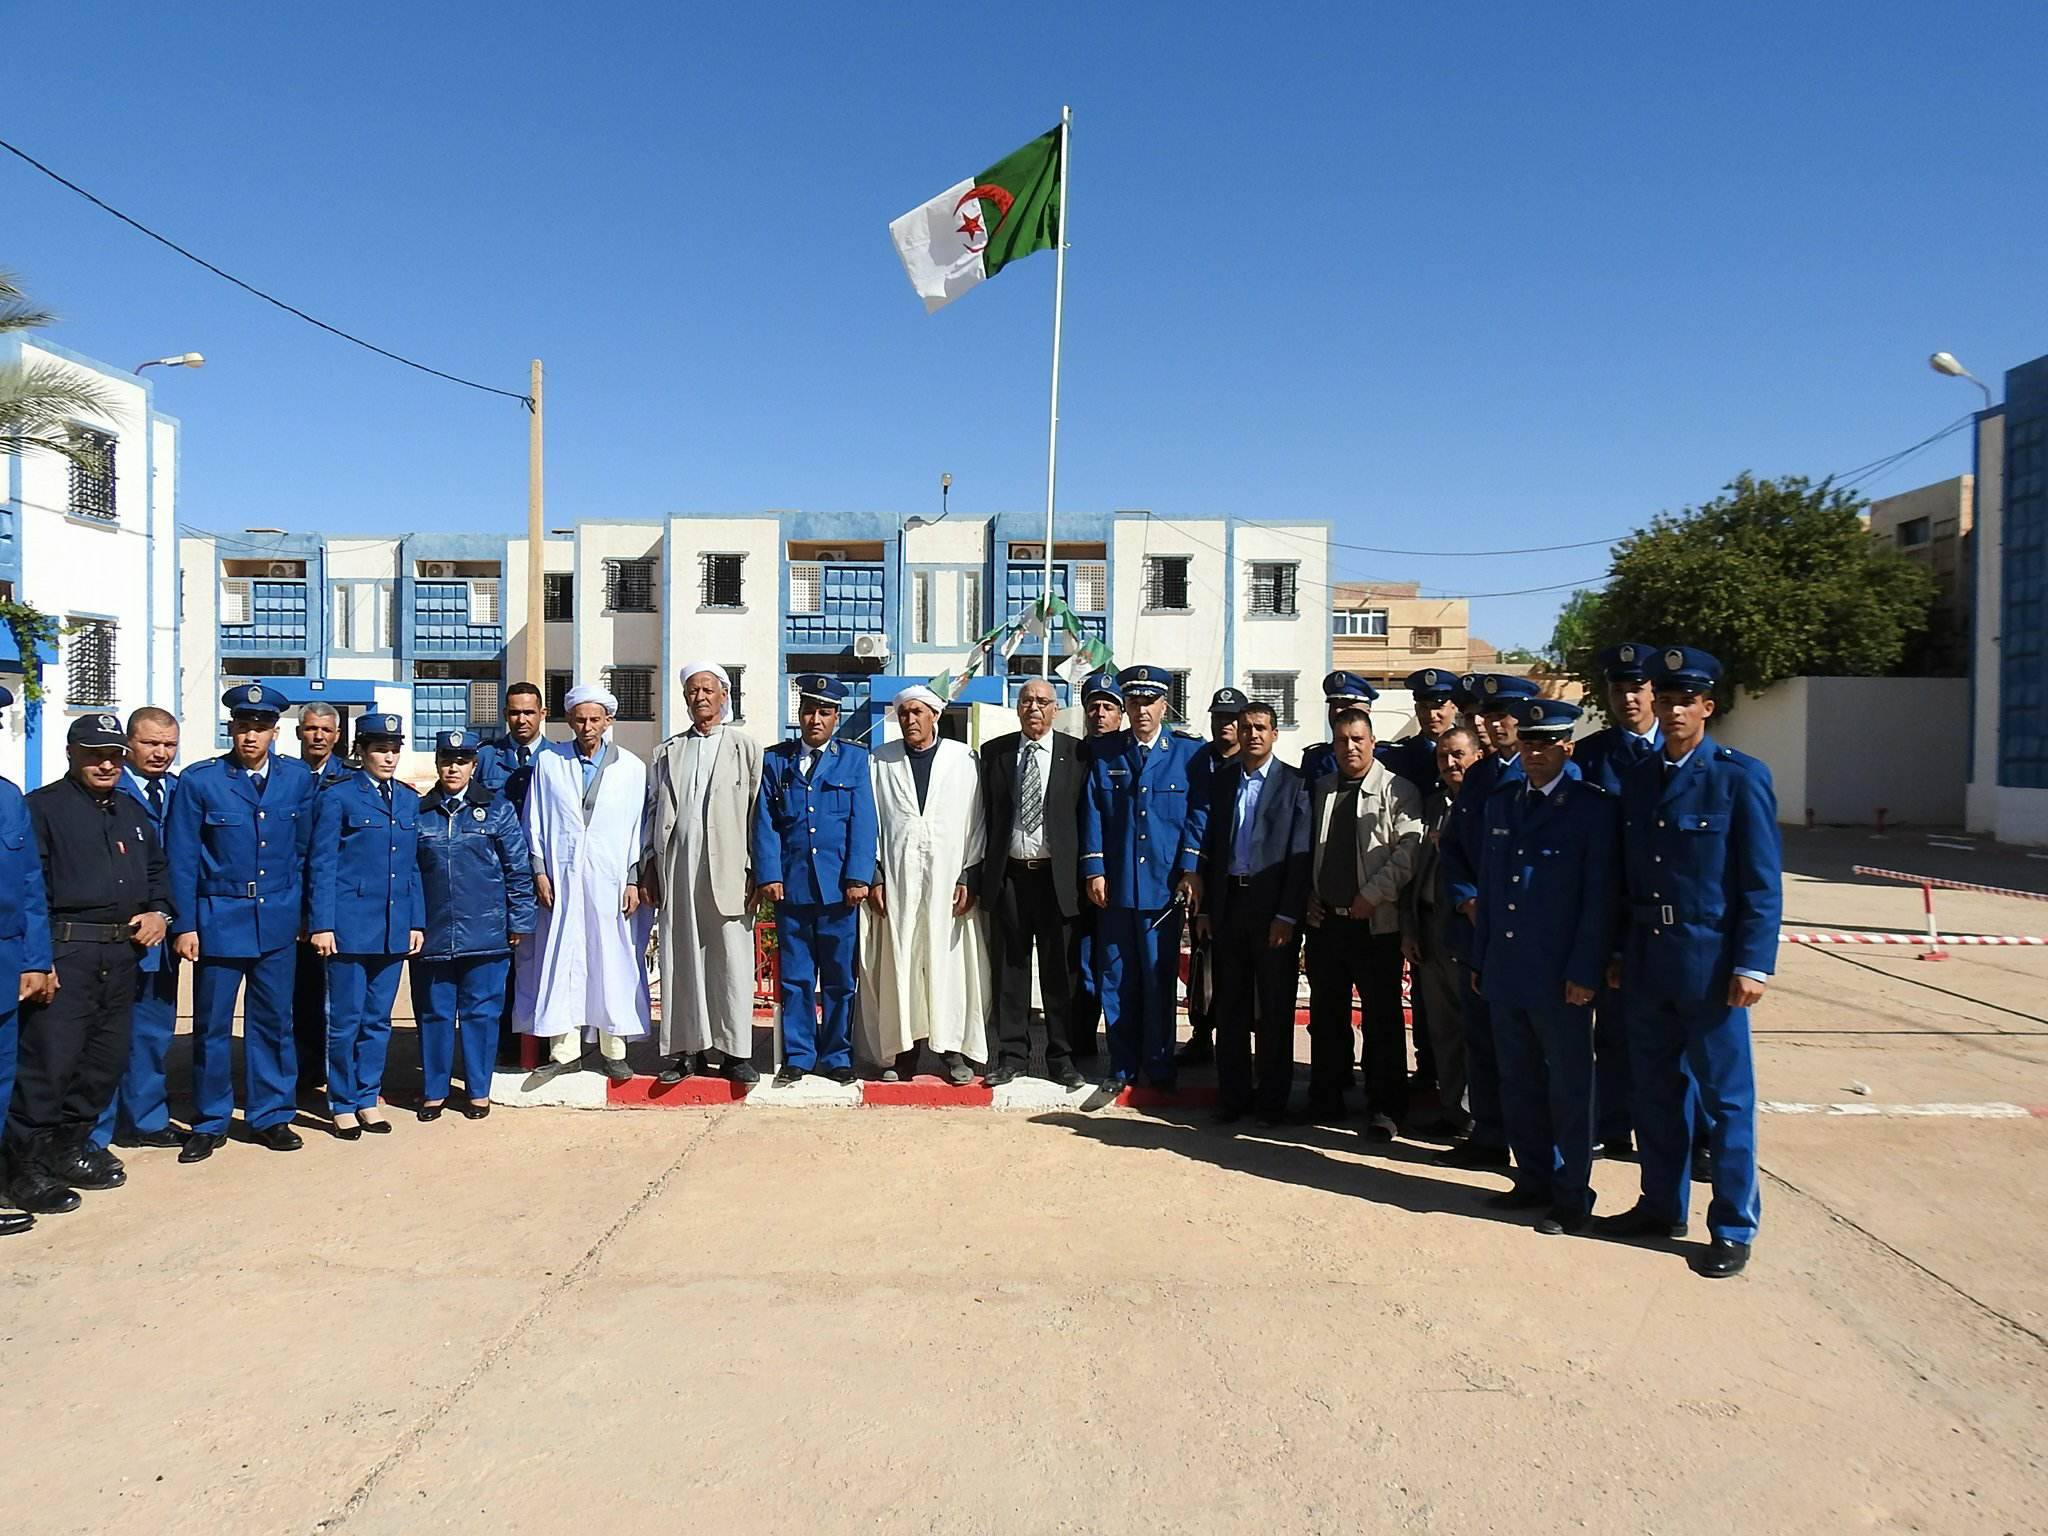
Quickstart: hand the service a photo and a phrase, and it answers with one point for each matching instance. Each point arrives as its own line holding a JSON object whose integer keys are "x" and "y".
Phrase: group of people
{"x": 1584, "y": 926}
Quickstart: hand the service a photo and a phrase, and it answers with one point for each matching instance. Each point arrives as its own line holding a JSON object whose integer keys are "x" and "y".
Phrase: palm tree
{"x": 39, "y": 401}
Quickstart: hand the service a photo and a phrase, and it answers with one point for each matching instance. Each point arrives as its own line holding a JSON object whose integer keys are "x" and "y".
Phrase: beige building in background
{"x": 1384, "y": 630}
{"x": 1932, "y": 526}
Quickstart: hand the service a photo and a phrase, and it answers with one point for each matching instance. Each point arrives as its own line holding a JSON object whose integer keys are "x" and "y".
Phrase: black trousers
{"x": 309, "y": 1020}
{"x": 1084, "y": 1019}
{"x": 1028, "y": 921}
{"x": 73, "y": 1049}
{"x": 1253, "y": 1011}
{"x": 1344, "y": 955}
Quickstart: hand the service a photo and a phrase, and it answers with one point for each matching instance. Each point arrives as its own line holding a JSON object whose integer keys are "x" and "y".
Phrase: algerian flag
{"x": 976, "y": 227}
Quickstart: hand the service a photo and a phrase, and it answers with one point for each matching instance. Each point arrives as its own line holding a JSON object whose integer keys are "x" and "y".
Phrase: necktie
{"x": 259, "y": 779}
{"x": 384, "y": 789}
{"x": 155, "y": 791}
{"x": 524, "y": 754}
{"x": 810, "y": 761}
{"x": 1670, "y": 768}
{"x": 1031, "y": 797}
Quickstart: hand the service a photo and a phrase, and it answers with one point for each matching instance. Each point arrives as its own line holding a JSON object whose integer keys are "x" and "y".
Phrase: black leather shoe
{"x": 1228, "y": 1114}
{"x": 348, "y": 1133}
{"x": 675, "y": 1069}
{"x": 842, "y": 1075}
{"x": 1519, "y": 1199}
{"x": 282, "y": 1138}
{"x": 370, "y": 1128}
{"x": 1564, "y": 1223}
{"x": 1071, "y": 1079}
{"x": 1002, "y": 1075}
{"x": 1703, "y": 1166}
{"x": 1324, "y": 1111}
{"x": 789, "y": 1077}
{"x": 1470, "y": 1154}
{"x": 40, "y": 1195}
{"x": 1200, "y": 1049}
{"x": 14, "y": 1223}
{"x": 200, "y": 1145}
{"x": 430, "y": 1112}
{"x": 90, "y": 1167}
{"x": 477, "y": 1110}
{"x": 1270, "y": 1120}
{"x": 616, "y": 1070}
{"x": 741, "y": 1072}
{"x": 1613, "y": 1146}
{"x": 163, "y": 1138}
{"x": 1638, "y": 1221}
{"x": 958, "y": 1073}
{"x": 1724, "y": 1257}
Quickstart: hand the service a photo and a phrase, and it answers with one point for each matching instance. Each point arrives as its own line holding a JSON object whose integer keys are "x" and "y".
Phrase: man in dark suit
{"x": 1030, "y": 793}
{"x": 1256, "y": 866}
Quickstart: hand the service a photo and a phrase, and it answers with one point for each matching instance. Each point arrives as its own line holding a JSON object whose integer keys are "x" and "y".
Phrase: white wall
{"x": 623, "y": 639}
{"x": 1191, "y": 640}
{"x": 749, "y": 636}
{"x": 1297, "y": 644}
{"x": 1773, "y": 727}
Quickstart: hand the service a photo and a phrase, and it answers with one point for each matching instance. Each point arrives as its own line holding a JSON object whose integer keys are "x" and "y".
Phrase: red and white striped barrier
{"x": 1950, "y": 940}
{"x": 1949, "y": 885}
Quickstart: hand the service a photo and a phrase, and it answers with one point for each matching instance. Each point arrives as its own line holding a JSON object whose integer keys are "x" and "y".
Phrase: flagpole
{"x": 1052, "y": 433}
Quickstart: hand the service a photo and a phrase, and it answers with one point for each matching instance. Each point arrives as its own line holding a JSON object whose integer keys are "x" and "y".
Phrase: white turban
{"x": 917, "y": 693}
{"x": 725, "y": 682}
{"x": 591, "y": 693}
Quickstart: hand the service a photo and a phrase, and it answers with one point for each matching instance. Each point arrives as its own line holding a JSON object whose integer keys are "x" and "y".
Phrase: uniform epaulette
{"x": 1188, "y": 735}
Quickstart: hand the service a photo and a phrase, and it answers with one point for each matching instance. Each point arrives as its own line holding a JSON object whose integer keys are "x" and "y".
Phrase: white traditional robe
{"x": 590, "y": 971}
{"x": 707, "y": 960}
{"x": 924, "y": 972}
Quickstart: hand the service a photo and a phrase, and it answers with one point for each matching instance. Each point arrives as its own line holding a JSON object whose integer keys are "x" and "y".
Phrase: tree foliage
{"x": 39, "y": 401}
{"x": 1777, "y": 578}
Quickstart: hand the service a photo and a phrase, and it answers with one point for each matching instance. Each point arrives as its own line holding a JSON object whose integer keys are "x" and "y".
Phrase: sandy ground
{"x": 908, "y": 1320}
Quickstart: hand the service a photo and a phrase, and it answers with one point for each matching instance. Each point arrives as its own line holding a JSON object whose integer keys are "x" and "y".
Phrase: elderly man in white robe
{"x": 699, "y": 870}
{"x": 924, "y": 961}
{"x": 585, "y": 821}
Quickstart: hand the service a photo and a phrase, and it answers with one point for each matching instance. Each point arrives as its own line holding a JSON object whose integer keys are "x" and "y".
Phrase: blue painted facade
{"x": 2023, "y": 617}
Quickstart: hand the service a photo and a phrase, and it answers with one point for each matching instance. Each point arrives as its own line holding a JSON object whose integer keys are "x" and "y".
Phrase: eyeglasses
{"x": 1037, "y": 704}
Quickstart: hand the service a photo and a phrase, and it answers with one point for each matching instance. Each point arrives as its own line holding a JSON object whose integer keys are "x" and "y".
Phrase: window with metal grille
{"x": 1177, "y": 697}
{"x": 1091, "y": 588}
{"x": 92, "y": 475}
{"x": 1274, "y": 587}
{"x": 557, "y": 684}
{"x": 807, "y": 588}
{"x": 921, "y": 607}
{"x": 1166, "y": 582}
{"x": 237, "y": 600}
{"x": 972, "y": 621}
{"x": 736, "y": 675}
{"x": 558, "y": 597}
{"x": 629, "y": 587}
{"x": 1276, "y": 689}
{"x": 484, "y": 597}
{"x": 633, "y": 687}
{"x": 1425, "y": 637}
{"x": 483, "y": 702}
{"x": 721, "y": 580}
{"x": 1370, "y": 623}
{"x": 89, "y": 664}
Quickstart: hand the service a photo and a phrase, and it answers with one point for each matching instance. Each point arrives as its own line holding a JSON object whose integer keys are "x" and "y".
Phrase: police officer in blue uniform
{"x": 1459, "y": 844}
{"x": 1102, "y": 708}
{"x": 366, "y": 911}
{"x": 476, "y": 879}
{"x": 323, "y": 749}
{"x": 1436, "y": 711}
{"x": 1543, "y": 931}
{"x": 1141, "y": 853}
{"x": 1702, "y": 861}
{"x": 506, "y": 765}
{"x": 1225, "y": 705}
{"x": 24, "y": 954}
{"x": 1602, "y": 757}
{"x": 1341, "y": 691}
{"x": 238, "y": 833}
{"x": 814, "y": 844}
{"x": 139, "y": 1113}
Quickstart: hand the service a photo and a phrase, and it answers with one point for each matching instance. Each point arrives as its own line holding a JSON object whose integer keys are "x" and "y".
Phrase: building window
{"x": 1276, "y": 689}
{"x": 92, "y": 475}
{"x": 1166, "y": 582}
{"x": 237, "y": 600}
{"x": 633, "y": 687}
{"x": 484, "y": 594}
{"x": 972, "y": 620}
{"x": 558, "y": 597}
{"x": 629, "y": 587}
{"x": 1275, "y": 585}
{"x": 1091, "y": 587}
{"x": 364, "y": 617}
{"x": 557, "y": 694}
{"x": 920, "y": 607}
{"x": 736, "y": 680}
{"x": 1913, "y": 532}
{"x": 1368, "y": 623}
{"x": 89, "y": 665}
{"x": 1425, "y": 637}
{"x": 721, "y": 581}
{"x": 484, "y": 702}
{"x": 1177, "y": 697}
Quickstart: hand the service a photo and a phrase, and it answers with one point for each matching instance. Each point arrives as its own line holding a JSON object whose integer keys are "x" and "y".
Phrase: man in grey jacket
{"x": 1435, "y": 935}
{"x": 1368, "y": 835}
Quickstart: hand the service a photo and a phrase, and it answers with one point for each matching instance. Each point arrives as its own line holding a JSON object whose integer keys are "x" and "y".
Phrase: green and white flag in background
{"x": 978, "y": 226}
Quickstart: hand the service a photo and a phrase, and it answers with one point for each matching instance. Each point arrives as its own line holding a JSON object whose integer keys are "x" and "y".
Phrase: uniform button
{"x": 1660, "y": 821}
{"x": 1511, "y": 933}
{"x": 1511, "y": 906}
{"x": 1514, "y": 879}
{"x": 1656, "y": 858}
{"x": 261, "y": 873}
{"x": 1141, "y": 858}
{"x": 1655, "y": 932}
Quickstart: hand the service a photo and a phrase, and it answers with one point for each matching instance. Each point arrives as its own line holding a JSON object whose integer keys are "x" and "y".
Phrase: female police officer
{"x": 366, "y": 916}
{"x": 478, "y": 883}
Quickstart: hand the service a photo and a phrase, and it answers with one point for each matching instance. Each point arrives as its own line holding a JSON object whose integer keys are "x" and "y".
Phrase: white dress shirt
{"x": 1030, "y": 845}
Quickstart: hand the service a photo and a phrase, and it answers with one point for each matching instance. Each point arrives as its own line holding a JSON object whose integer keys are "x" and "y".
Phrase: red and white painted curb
{"x": 1945, "y": 940}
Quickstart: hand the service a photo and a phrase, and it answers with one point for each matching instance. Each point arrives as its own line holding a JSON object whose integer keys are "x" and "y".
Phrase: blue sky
{"x": 1471, "y": 280}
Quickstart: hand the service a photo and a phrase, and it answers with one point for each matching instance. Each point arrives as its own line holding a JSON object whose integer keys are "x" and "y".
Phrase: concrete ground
{"x": 970, "y": 1321}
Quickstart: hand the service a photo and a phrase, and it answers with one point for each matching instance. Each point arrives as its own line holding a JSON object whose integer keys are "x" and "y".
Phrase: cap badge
{"x": 109, "y": 723}
{"x": 1674, "y": 658}
{"x": 1493, "y": 685}
{"x": 254, "y": 694}
{"x": 1628, "y": 653}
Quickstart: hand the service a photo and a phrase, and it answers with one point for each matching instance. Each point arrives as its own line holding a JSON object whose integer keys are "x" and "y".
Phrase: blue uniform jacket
{"x": 1202, "y": 773}
{"x": 476, "y": 873}
{"x": 131, "y": 785}
{"x": 333, "y": 771}
{"x": 815, "y": 836}
{"x": 1458, "y": 844}
{"x": 1141, "y": 826}
{"x": 1318, "y": 761}
{"x": 1605, "y": 755}
{"x": 24, "y": 904}
{"x": 1548, "y": 877}
{"x": 1412, "y": 757}
{"x": 1702, "y": 858}
{"x": 363, "y": 874}
{"x": 238, "y": 859}
{"x": 498, "y": 767}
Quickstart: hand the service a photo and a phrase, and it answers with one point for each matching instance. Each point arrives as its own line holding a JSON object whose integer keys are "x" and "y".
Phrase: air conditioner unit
{"x": 1023, "y": 552}
{"x": 283, "y": 568}
{"x": 871, "y": 647}
{"x": 830, "y": 556}
{"x": 433, "y": 669}
{"x": 437, "y": 569}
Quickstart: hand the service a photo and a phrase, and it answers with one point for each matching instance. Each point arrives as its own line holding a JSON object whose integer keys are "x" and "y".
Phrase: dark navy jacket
{"x": 1548, "y": 876}
{"x": 815, "y": 836}
{"x": 476, "y": 873}
{"x": 363, "y": 873}
{"x": 1282, "y": 845}
{"x": 237, "y": 858}
{"x": 24, "y": 907}
{"x": 1412, "y": 757}
{"x": 1702, "y": 857}
{"x": 1605, "y": 755}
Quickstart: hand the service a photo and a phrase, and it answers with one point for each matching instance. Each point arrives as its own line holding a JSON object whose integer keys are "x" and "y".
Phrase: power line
{"x": 1429, "y": 554}
{"x": 268, "y": 298}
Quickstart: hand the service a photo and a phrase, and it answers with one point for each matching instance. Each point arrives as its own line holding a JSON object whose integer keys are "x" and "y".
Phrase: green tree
{"x": 1777, "y": 578}
{"x": 1571, "y": 648}
{"x": 38, "y": 401}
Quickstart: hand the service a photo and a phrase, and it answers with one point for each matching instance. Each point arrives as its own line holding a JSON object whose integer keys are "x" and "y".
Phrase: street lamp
{"x": 1945, "y": 362}
{"x": 182, "y": 360}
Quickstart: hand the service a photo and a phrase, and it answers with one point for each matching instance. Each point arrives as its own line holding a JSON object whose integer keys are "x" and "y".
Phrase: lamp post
{"x": 1945, "y": 362}
{"x": 182, "y": 360}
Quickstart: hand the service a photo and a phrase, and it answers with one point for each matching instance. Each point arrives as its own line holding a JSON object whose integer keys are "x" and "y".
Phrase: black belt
{"x": 1030, "y": 863}
{"x": 1240, "y": 881}
{"x": 87, "y": 933}
{"x": 1665, "y": 914}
